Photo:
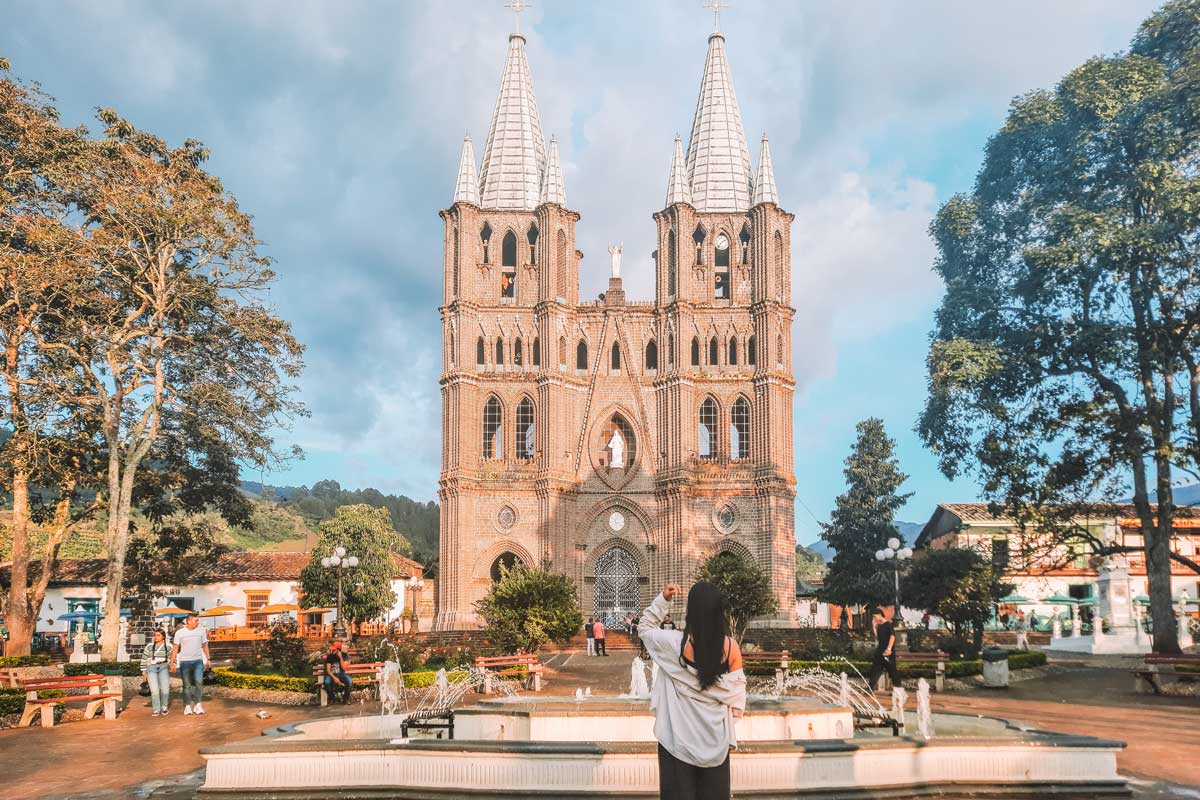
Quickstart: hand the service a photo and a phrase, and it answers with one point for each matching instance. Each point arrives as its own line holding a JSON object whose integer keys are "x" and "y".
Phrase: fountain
{"x": 638, "y": 687}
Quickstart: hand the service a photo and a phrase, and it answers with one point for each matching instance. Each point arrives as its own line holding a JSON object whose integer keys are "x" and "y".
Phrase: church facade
{"x": 619, "y": 442}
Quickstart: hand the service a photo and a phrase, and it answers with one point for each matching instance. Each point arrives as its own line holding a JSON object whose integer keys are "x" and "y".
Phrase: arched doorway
{"x": 506, "y": 559}
{"x": 617, "y": 592}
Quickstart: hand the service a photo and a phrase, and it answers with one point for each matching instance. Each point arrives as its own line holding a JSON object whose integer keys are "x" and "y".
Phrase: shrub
{"x": 528, "y": 607}
{"x": 24, "y": 661}
{"x": 226, "y": 676}
{"x": 12, "y": 701}
{"x": 1019, "y": 659}
{"x": 283, "y": 650}
{"x": 744, "y": 585}
{"x": 128, "y": 669}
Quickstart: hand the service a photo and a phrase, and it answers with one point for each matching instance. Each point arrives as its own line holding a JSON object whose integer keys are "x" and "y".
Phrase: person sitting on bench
{"x": 336, "y": 680}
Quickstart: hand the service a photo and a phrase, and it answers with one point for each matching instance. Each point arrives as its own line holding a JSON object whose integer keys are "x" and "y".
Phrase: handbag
{"x": 144, "y": 689}
{"x": 209, "y": 678}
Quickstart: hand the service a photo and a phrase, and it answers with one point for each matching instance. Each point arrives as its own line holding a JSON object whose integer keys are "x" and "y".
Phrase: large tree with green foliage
{"x": 527, "y": 608}
{"x": 746, "y": 588}
{"x": 959, "y": 585}
{"x": 367, "y": 533}
{"x": 863, "y": 520}
{"x": 1063, "y": 368}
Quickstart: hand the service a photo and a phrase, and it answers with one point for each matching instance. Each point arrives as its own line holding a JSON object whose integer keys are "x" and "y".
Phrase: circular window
{"x": 616, "y": 521}
{"x": 726, "y": 518}
{"x": 506, "y": 518}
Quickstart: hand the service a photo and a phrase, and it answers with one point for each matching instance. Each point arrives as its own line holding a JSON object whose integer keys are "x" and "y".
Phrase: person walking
{"x": 885, "y": 651}
{"x": 190, "y": 656}
{"x": 699, "y": 694}
{"x": 598, "y": 629}
{"x": 336, "y": 680}
{"x": 1022, "y": 628}
{"x": 156, "y": 657}
{"x": 589, "y": 630}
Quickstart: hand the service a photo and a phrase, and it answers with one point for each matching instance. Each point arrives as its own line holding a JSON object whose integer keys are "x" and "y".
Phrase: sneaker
{"x": 187, "y": 710}
{"x": 156, "y": 713}
{"x": 164, "y": 712}
{"x": 197, "y": 709}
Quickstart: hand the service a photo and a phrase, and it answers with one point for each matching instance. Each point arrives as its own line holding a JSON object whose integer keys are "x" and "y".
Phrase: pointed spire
{"x": 514, "y": 158}
{"x": 764, "y": 182}
{"x": 553, "y": 190}
{"x": 718, "y": 162}
{"x": 466, "y": 189}
{"x": 677, "y": 185}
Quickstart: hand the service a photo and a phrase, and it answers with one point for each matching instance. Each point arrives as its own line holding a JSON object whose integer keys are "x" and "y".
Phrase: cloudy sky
{"x": 338, "y": 125}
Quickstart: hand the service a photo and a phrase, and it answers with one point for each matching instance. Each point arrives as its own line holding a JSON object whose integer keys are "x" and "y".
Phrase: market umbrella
{"x": 1142, "y": 600}
{"x": 278, "y": 608}
{"x": 221, "y": 611}
{"x": 1060, "y": 600}
{"x": 172, "y": 611}
{"x": 1014, "y": 599}
{"x": 85, "y": 614}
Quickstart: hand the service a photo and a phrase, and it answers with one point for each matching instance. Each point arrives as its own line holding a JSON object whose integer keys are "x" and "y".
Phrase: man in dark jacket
{"x": 885, "y": 651}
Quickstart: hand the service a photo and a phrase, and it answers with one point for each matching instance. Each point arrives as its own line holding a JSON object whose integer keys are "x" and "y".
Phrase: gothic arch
{"x": 483, "y": 564}
{"x": 614, "y": 479}
{"x": 606, "y": 506}
{"x": 728, "y": 544}
{"x": 633, "y": 548}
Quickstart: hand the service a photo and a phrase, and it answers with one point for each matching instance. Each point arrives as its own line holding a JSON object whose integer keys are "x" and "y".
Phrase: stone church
{"x": 620, "y": 442}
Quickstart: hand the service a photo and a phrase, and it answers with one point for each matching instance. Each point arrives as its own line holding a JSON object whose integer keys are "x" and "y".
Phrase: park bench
{"x": 938, "y": 659}
{"x": 774, "y": 662}
{"x": 367, "y": 672}
{"x": 1158, "y": 668}
{"x": 522, "y": 664}
{"x": 10, "y": 678}
{"x": 96, "y": 697}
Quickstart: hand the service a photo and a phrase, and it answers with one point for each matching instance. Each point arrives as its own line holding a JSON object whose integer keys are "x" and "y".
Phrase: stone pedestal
{"x": 1185, "y": 629}
{"x": 1114, "y": 604}
{"x": 77, "y": 654}
{"x": 1056, "y": 628}
{"x": 122, "y": 651}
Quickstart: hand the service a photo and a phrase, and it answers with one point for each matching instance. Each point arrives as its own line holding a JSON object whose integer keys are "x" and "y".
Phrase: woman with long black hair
{"x": 699, "y": 693}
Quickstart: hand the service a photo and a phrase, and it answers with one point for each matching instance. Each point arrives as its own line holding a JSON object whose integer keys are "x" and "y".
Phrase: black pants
{"x": 878, "y": 665}
{"x": 678, "y": 780}
{"x": 600, "y": 651}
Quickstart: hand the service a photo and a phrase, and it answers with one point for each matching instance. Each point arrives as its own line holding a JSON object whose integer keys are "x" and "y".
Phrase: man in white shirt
{"x": 190, "y": 655}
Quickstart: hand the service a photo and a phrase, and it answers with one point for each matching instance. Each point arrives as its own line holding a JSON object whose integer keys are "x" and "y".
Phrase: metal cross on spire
{"x": 517, "y": 7}
{"x": 715, "y": 7}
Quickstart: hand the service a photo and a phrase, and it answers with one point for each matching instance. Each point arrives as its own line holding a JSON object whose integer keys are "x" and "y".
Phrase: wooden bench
{"x": 520, "y": 664}
{"x": 367, "y": 672}
{"x": 938, "y": 659}
{"x": 1152, "y": 673}
{"x": 96, "y": 697}
{"x": 777, "y": 661}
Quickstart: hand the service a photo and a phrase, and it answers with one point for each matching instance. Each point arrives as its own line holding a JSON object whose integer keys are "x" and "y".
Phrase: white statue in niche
{"x": 616, "y": 450}
{"x": 614, "y": 250}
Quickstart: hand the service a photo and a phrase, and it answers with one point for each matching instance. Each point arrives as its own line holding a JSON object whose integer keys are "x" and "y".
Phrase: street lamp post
{"x": 895, "y": 554}
{"x": 339, "y": 561}
{"x": 415, "y": 584}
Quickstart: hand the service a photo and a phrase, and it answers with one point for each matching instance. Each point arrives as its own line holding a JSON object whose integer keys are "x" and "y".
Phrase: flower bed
{"x": 227, "y": 677}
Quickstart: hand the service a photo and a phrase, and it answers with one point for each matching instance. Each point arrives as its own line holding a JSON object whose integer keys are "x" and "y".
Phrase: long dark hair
{"x": 707, "y": 628}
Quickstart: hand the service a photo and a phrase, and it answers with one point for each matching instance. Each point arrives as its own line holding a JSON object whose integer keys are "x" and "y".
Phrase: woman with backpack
{"x": 156, "y": 658}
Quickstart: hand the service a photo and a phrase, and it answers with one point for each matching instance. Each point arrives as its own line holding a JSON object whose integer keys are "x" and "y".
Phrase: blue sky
{"x": 339, "y": 126}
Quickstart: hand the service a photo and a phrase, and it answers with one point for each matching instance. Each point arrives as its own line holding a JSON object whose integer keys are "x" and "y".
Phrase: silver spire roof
{"x": 553, "y": 190}
{"x": 677, "y": 185}
{"x": 764, "y": 182}
{"x": 466, "y": 189}
{"x": 514, "y": 158}
{"x": 718, "y": 162}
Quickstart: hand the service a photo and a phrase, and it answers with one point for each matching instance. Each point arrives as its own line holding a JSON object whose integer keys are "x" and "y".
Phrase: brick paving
{"x": 137, "y": 756}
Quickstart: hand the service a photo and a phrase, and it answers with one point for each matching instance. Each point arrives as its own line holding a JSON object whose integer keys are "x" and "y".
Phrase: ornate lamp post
{"x": 895, "y": 554}
{"x": 415, "y": 585}
{"x": 339, "y": 561}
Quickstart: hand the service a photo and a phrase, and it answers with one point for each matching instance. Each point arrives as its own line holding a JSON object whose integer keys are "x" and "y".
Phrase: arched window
{"x": 518, "y": 353}
{"x": 752, "y": 351}
{"x": 454, "y": 233}
{"x": 698, "y": 238}
{"x": 695, "y": 351}
{"x": 721, "y": 268}
{"x": 562, "y": 351}
{"x": 505, "y": 562}
{"x": 485, "y": 236}
{"x": 499, "y": 352}
{"x": 713, "y": 354}
{"x": 479, "y": 352}
{"x": 671, "y": 269}
{"x": 744, "y": 237}
{"x": 651, "y": 355}
{"x": 733, "y": 351}
{"x": 581, "y": 355}
{"x": 561, "y": 266}
{"x": 537, "y": 352}
{"x": 616, "y": 357}
{"x": 739, "y": 429}
{"x": 708, "y": 428}
{"x": 452, "y": 348}
{"x": 508, "y": 256}
{"x": 779, "y": 349}
{"x": 526, "y": 432}
{"x": 780, "y": 271}
{"x": 532, "y": 236}
{"x": 670, "y": 349}
{"x": 493, "y": 430}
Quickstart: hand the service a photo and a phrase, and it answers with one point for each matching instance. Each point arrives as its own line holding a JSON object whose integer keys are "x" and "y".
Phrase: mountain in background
{"x": 908, "y": 532}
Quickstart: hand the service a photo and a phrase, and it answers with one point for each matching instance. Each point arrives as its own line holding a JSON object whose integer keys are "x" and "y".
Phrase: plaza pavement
{"x": 137, "y": 756}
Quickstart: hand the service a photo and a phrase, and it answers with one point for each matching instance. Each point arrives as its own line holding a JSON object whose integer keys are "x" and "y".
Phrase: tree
{"x": 746, "y": 588}
{"x": 527, "y": 608}
{"x": 1063, "y": 366}
{"x": 958, "y": 585}
{"x": 863, "y": 520}
{"x": 810, "y": 565}
{"x": 367, "y": 533}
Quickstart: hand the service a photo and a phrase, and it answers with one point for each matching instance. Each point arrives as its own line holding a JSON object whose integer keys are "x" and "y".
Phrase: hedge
{"x": 225, "y": 676}
{"x": 12, "y": 701}
{"x": 128, "y": 669}
{"x": 24, "y": 661}
{"x": 1017, "y": 660}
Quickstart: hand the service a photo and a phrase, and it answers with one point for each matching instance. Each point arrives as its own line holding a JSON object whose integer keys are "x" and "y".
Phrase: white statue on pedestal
{"x": 1185, "y": 628}
{"x": 614, "y": 250}
{"x": 122, "y": 652}
{"x": 616, "y": 449}
{"x": 77, "y": 654}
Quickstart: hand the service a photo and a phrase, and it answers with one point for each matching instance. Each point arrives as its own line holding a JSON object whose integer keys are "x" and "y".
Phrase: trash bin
{"x": 995, "y": 668}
